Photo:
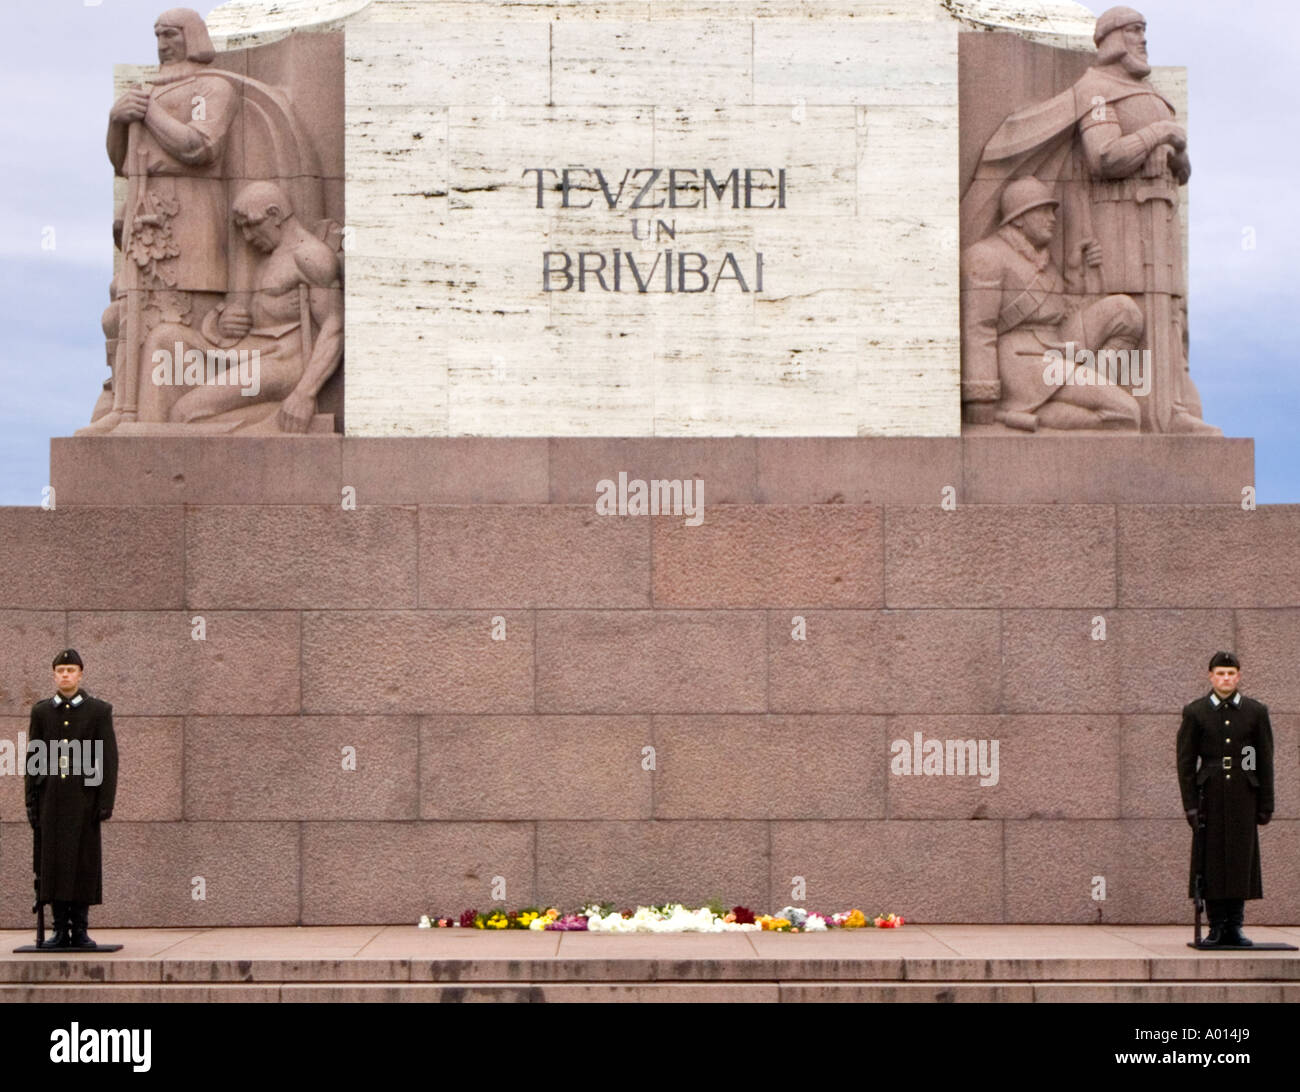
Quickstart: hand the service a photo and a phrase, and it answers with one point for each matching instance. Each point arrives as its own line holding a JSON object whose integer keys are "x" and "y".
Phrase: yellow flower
{"x": 856, "y": 919}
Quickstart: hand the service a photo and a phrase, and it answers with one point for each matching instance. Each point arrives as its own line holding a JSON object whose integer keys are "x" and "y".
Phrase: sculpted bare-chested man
{"x": 297, "y": 279}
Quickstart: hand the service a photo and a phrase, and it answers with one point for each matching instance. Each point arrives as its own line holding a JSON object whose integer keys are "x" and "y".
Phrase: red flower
{"x": 744, "y": 916}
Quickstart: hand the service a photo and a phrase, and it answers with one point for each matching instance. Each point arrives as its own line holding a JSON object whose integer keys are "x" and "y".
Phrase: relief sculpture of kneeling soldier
{"x": 70, "y": 782}
{"x": 1225, "y": 766}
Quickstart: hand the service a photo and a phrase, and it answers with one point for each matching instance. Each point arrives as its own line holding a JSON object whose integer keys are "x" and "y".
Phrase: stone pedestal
{"x": 327, "y": 628}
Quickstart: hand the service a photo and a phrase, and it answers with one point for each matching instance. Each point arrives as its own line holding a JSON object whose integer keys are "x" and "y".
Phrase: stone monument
{"x": 695, "y": 448}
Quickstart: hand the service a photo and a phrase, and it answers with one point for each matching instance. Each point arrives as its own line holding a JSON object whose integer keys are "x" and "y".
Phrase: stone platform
{"x": 1011, "y": 468}
{"x": 943, "y": 963}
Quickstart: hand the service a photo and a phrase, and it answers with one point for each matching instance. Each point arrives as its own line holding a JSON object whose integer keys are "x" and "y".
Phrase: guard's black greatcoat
{"x": 68, "y": 809}
{"x": 1219, "y": 735}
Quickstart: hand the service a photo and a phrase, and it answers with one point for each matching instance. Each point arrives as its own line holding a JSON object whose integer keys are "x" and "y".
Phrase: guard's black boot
{"x": 80, "y": 938}
{"x": 1232, "y": 935}
{"x": 1215, "y": 935}
{"x": 59, "y": 912}
{"x": 1232, "y": 914}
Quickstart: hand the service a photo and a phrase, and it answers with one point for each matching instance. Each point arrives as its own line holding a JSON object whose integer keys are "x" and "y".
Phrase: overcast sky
{"x": 1243, "y": 143}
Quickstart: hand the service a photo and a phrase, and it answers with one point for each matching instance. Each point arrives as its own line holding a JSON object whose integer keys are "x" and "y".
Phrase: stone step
{"x": 52, "y": 970}
{"x": 49, "y": 970}
{"x": 1117, "y": 992}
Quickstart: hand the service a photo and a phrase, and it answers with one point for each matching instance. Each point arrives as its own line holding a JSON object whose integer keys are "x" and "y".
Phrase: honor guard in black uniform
{"x": 70, "y": 781}
{"x": 1225, "y": 766}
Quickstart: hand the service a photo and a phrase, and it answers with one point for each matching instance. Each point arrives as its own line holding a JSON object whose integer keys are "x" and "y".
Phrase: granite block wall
{"x": 629, "y": 707}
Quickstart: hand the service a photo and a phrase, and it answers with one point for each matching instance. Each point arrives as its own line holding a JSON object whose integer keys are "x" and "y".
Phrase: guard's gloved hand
{"x": 1191, "y": 817}
{"x": 34, "y": 816}
{"x": 1262, "y": 817}
{"x": 105, "y": 814}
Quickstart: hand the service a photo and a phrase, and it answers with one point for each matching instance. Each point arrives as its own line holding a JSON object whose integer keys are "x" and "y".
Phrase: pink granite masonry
{"x": 153, "y": 663}
{"x": 1047, "y": 767}
{"x": 727, "y": 466}
{"x": 849, "y": 661}
{"x": 547, "y": 555}
{"x": 29, "y": 640}
{"x": 13, "y": 738}
{"x": 313, "y": 767}
{"x": 1131, "y": 870}
{"x": 249, "y": 873}
{"x": 464, "y": 470}
{"x": 153, "y": 749}
{"x": 1203, "y": 555}
{"x": 769, "y": 767}
{"x": 633, "y": 863}
{"x": 471, "y": 679}
{"x": 926, "y": 871}
{"x": 125, "y": 558}
{"x": 113, "y": 470}
{"x": 417, "y": 661}
{"x": 867, "y": 471}
{"x": 354, "y": 872}
{"x": 994, "y": 556}
{"x": 299, "y": 557}
{"x": 122, "y": 471}
{"x": 1268, "y": 642}
{"x": 1142, "y": 661}
{"x": 1050, "y": 870}
{"x": 769, "y": 555}
{"x": 536, "y": 767}
{"x": 660, "y": 661}
{"x": 1110, "y": 469}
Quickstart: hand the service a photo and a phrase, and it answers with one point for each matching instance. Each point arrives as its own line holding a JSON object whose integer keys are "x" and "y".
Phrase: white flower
{"x": 425, "y": 923}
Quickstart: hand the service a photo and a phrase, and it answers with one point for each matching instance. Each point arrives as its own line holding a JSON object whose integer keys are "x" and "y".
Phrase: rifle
{"x": 39, "y": 908}
{"x": 1199, "y": 844}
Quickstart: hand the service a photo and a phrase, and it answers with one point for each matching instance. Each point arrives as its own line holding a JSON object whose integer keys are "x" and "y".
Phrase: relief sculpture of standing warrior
{"x": 227, "y": 307}
{"x": 1110, "y": 146}
{"x": 169, "y": 141}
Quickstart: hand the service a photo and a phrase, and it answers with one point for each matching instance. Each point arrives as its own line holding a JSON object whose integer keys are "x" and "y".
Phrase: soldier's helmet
{"x": 1022, "y": 195}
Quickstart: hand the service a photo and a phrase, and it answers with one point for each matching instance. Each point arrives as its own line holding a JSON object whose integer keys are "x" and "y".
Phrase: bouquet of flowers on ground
{"x": 672, "y": 917}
